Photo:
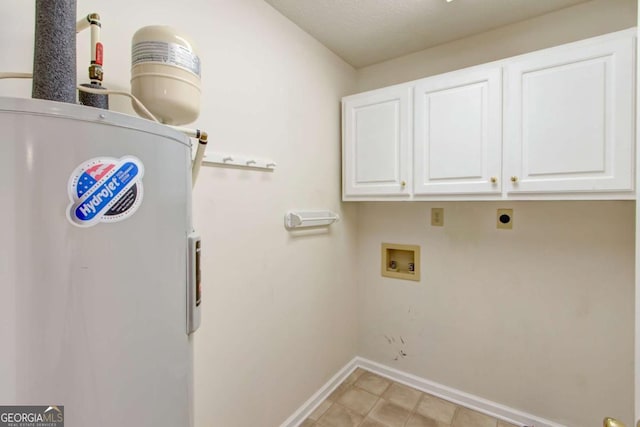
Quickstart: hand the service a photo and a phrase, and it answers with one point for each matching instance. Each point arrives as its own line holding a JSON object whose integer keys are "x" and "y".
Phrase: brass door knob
{"x": 403, "y": 184}
{"x": 514, "y": 179}
{"x": 494, "y": 179}
{"x": 612, "y": 422}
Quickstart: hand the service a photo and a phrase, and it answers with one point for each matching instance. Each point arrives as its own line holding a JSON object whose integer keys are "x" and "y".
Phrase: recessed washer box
{"x": 400, "y": 261}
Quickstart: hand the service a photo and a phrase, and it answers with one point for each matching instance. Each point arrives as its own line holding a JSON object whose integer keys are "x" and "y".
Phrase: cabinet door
{"x": 569, "y": 124}
{"x": 375, "y": 143}
{"x": 458, "y": 133}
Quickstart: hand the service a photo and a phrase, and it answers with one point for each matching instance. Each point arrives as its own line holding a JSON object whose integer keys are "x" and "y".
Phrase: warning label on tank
{"x": 165, "y": 53}
{"x": 105, "y": 189}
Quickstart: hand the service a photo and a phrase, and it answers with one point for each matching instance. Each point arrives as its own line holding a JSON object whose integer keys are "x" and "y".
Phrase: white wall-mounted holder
{"x": 236, "y": 161}
{"x": 303, "y": 219}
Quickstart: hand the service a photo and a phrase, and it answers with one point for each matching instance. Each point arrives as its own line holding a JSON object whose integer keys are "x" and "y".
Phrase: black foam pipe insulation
{"x": 54, "y": 57}
{"x": 94, "y": 99}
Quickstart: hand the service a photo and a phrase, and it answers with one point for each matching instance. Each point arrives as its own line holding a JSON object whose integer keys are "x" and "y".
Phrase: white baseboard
{"x": 470, "y": 401}
{"x": 320, "y": 396}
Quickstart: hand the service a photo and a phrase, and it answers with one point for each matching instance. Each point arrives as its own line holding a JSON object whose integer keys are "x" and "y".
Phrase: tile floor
{"x": 365, "y": 399}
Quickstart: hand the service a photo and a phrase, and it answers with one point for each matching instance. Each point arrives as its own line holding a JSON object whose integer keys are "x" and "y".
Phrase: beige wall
{"x": 539, "y": 318}
{"x": 570, "y": 24}
{"x": 278, "y": 316}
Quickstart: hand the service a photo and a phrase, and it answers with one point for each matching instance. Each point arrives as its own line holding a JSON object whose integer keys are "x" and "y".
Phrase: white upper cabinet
{"x": 458, "y": 128}
{"x": 569, "y": 124}
{"x": 376, "y": 143}
{"x": 553, "y": 124}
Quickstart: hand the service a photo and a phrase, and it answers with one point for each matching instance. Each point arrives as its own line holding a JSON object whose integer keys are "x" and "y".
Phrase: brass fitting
{"x": 94, "y": 19}
{"x": 95, "y": 72}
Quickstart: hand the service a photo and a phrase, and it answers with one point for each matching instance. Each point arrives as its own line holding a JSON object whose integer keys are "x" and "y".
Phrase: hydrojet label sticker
{"x": 105, "y": 189}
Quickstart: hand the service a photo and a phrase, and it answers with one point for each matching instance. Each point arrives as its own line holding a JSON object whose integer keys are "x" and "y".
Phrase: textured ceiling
{"x": 364, "y": 32}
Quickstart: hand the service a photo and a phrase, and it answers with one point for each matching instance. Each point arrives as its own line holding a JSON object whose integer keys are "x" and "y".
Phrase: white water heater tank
{"x": 165, "y": 74}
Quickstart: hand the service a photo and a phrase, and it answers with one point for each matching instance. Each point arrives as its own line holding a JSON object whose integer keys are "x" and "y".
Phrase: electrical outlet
{"x": 437, "y": 217}
{"x": 504, "y": 219}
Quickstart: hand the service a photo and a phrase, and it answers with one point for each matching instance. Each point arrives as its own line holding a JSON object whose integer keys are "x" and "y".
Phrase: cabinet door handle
{"x": 514, "y": 179}
{"x": 494, "y": 180}
{"x": 403, "y": 184}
